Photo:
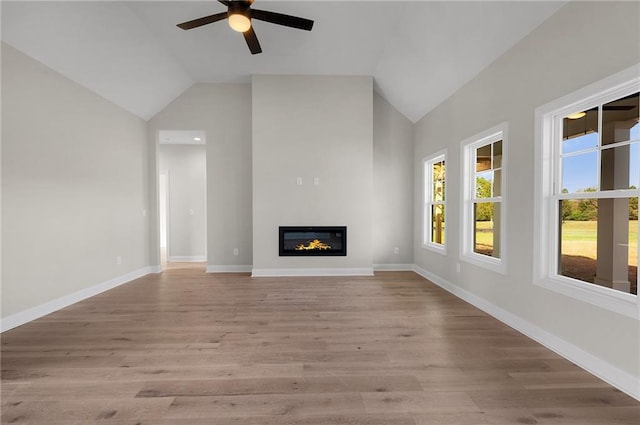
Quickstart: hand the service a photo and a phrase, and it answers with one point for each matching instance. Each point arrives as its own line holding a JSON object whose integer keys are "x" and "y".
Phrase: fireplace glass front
{"x": 313, "y": 240}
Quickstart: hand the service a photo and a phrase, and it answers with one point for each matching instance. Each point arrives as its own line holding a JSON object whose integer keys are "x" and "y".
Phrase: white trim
{"x": 427, "y": 201}
{"x": 229, "y": 269}
{"x": 607, "y": 298}
{"x": 187, "y": 258}
{"x": 620, "y": 379}
{"x": 499, "y": 265}
{"x": 167, "y": 210}
{"x": 49, "y": 307}
{"x": 366, "y": 271}
{"x": 584, "y": 95}
{"x": 546, "y": 178}
{"x": 155, "y": 269}
{"x": 607, "y": 194}
{"x": 434, "y": 247}
{"x": 393, "y": 267}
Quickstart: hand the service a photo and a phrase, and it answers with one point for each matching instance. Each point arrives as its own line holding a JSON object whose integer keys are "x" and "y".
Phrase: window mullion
{"x": 556, "y": 155}
{"x": 599, "y": 162}
{"x": 496, "y": 199}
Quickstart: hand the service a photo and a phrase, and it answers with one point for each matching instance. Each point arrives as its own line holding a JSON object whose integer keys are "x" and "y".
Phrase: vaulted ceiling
{"x": 132, "y": 53}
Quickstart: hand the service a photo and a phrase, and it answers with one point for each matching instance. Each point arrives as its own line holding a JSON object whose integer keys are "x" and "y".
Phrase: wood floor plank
{"x": 322, "y": 419}
{"x": 79, "y": 391}
{"x": 60, "y": 376}
{"x": 419, "y": 402}
{"x": 556, "y": 380}
{"x": 85, "y": 410}
{"x": 239, "y": 406}
{"x": 294, "y": 385}
{"x": 551, "y": 398}
{"x": 188, "y": 348}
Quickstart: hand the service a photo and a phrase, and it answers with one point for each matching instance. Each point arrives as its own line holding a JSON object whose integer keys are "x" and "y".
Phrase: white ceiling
{"x": 132, "y": 53}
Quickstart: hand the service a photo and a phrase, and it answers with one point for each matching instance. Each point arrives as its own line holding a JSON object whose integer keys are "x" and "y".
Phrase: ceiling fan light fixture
{"x": 239, "y": 21}
{"x": 240, "y": 15}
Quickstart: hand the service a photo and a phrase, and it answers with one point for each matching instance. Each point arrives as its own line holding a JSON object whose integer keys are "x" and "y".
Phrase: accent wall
{"x": 312, "y": 166}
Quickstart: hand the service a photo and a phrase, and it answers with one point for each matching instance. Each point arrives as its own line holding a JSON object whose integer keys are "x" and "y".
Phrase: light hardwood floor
{"x": 189, "y": 348}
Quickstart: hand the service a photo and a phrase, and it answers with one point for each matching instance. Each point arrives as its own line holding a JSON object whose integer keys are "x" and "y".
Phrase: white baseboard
{"x": 229, "y": 269}
{"x": 620, "y": 379}
{"x": 155, "y": 269}
{"x": 41, "y": 310}
{"x": 312, "y": 272}
{"x": 393, "y": 267}
{"x": 187, "y": 258}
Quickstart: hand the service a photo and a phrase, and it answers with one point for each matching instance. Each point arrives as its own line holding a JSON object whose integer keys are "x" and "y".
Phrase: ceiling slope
{"x": 101, "y": 46}
{"x": 132, "y": 53}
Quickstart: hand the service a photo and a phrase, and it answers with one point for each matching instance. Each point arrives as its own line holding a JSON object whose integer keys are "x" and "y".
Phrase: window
{"x": 483, "y": 199}
{"x": 434, "y": 234}
{"x": 588, "y": 186}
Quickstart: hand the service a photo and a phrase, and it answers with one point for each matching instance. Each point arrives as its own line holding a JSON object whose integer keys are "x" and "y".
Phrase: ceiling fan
{"x": 240, "y": 14}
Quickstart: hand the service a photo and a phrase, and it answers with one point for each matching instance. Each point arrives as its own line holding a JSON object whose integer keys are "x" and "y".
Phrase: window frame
{"x": 548, "y": 130}
{"x": 468, "y": 199}
{"x": 427, "y": 201}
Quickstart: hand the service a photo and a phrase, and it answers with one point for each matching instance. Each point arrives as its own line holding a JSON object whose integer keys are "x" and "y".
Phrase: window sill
{"x": 494, "y": 264}
{"x": 609, "y": 299}
{"x": 440, "y": 249}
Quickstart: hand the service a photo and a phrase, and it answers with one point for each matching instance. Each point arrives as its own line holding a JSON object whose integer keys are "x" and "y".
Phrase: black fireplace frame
{"x": 284, "y": 252}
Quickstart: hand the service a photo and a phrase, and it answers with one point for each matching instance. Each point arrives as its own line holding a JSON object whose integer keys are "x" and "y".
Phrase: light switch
{"x": 316, "y": 181}
{"x": 299, "y": 181}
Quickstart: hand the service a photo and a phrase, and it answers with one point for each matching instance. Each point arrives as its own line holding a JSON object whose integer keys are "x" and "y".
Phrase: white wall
{"x": 392, "y": 186}
{"x": 223, "y": 112}
{"x": 312, "y": 127}
{"x": 583, "y": 43}
{"x": 186, "y": 170}
{"x": 74, "y": 187}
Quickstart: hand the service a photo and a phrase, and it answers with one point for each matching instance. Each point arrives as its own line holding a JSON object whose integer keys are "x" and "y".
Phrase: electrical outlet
{"x": 396, "y": 250}
{"x": 458, "y": 267}
{"x": 299, "y": 181}
{"x": 235, "y": 251}
{"x": 316, "y": 181}
{"x": 118, "y": 260}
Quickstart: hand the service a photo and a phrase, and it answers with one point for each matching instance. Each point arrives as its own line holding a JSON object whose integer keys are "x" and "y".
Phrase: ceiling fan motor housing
{"x": 239, "y": 8}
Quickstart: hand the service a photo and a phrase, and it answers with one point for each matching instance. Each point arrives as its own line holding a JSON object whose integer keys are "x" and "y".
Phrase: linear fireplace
{"x": 313, "y": 240}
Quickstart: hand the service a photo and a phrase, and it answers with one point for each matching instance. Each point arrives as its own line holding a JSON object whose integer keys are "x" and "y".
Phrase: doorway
{"x": 182, "y": 198}
{"x": 163, "y": 204}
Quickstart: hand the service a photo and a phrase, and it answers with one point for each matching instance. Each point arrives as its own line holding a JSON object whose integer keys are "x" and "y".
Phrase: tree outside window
{"x": 483, "y": 207}
{"x": 434, "y": 233}
{"x": 597, "y": 193}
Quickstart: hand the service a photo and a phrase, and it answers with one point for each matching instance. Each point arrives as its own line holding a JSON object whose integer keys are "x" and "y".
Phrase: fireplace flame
{"x": 314, "y": 244}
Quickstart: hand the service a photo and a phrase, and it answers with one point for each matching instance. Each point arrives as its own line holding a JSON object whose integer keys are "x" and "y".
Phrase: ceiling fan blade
{"x": 226, "y": 2}
{"x": 203, "y": 21}
{"x": 252, "y": 41}
{"x": 280, "y": 19}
